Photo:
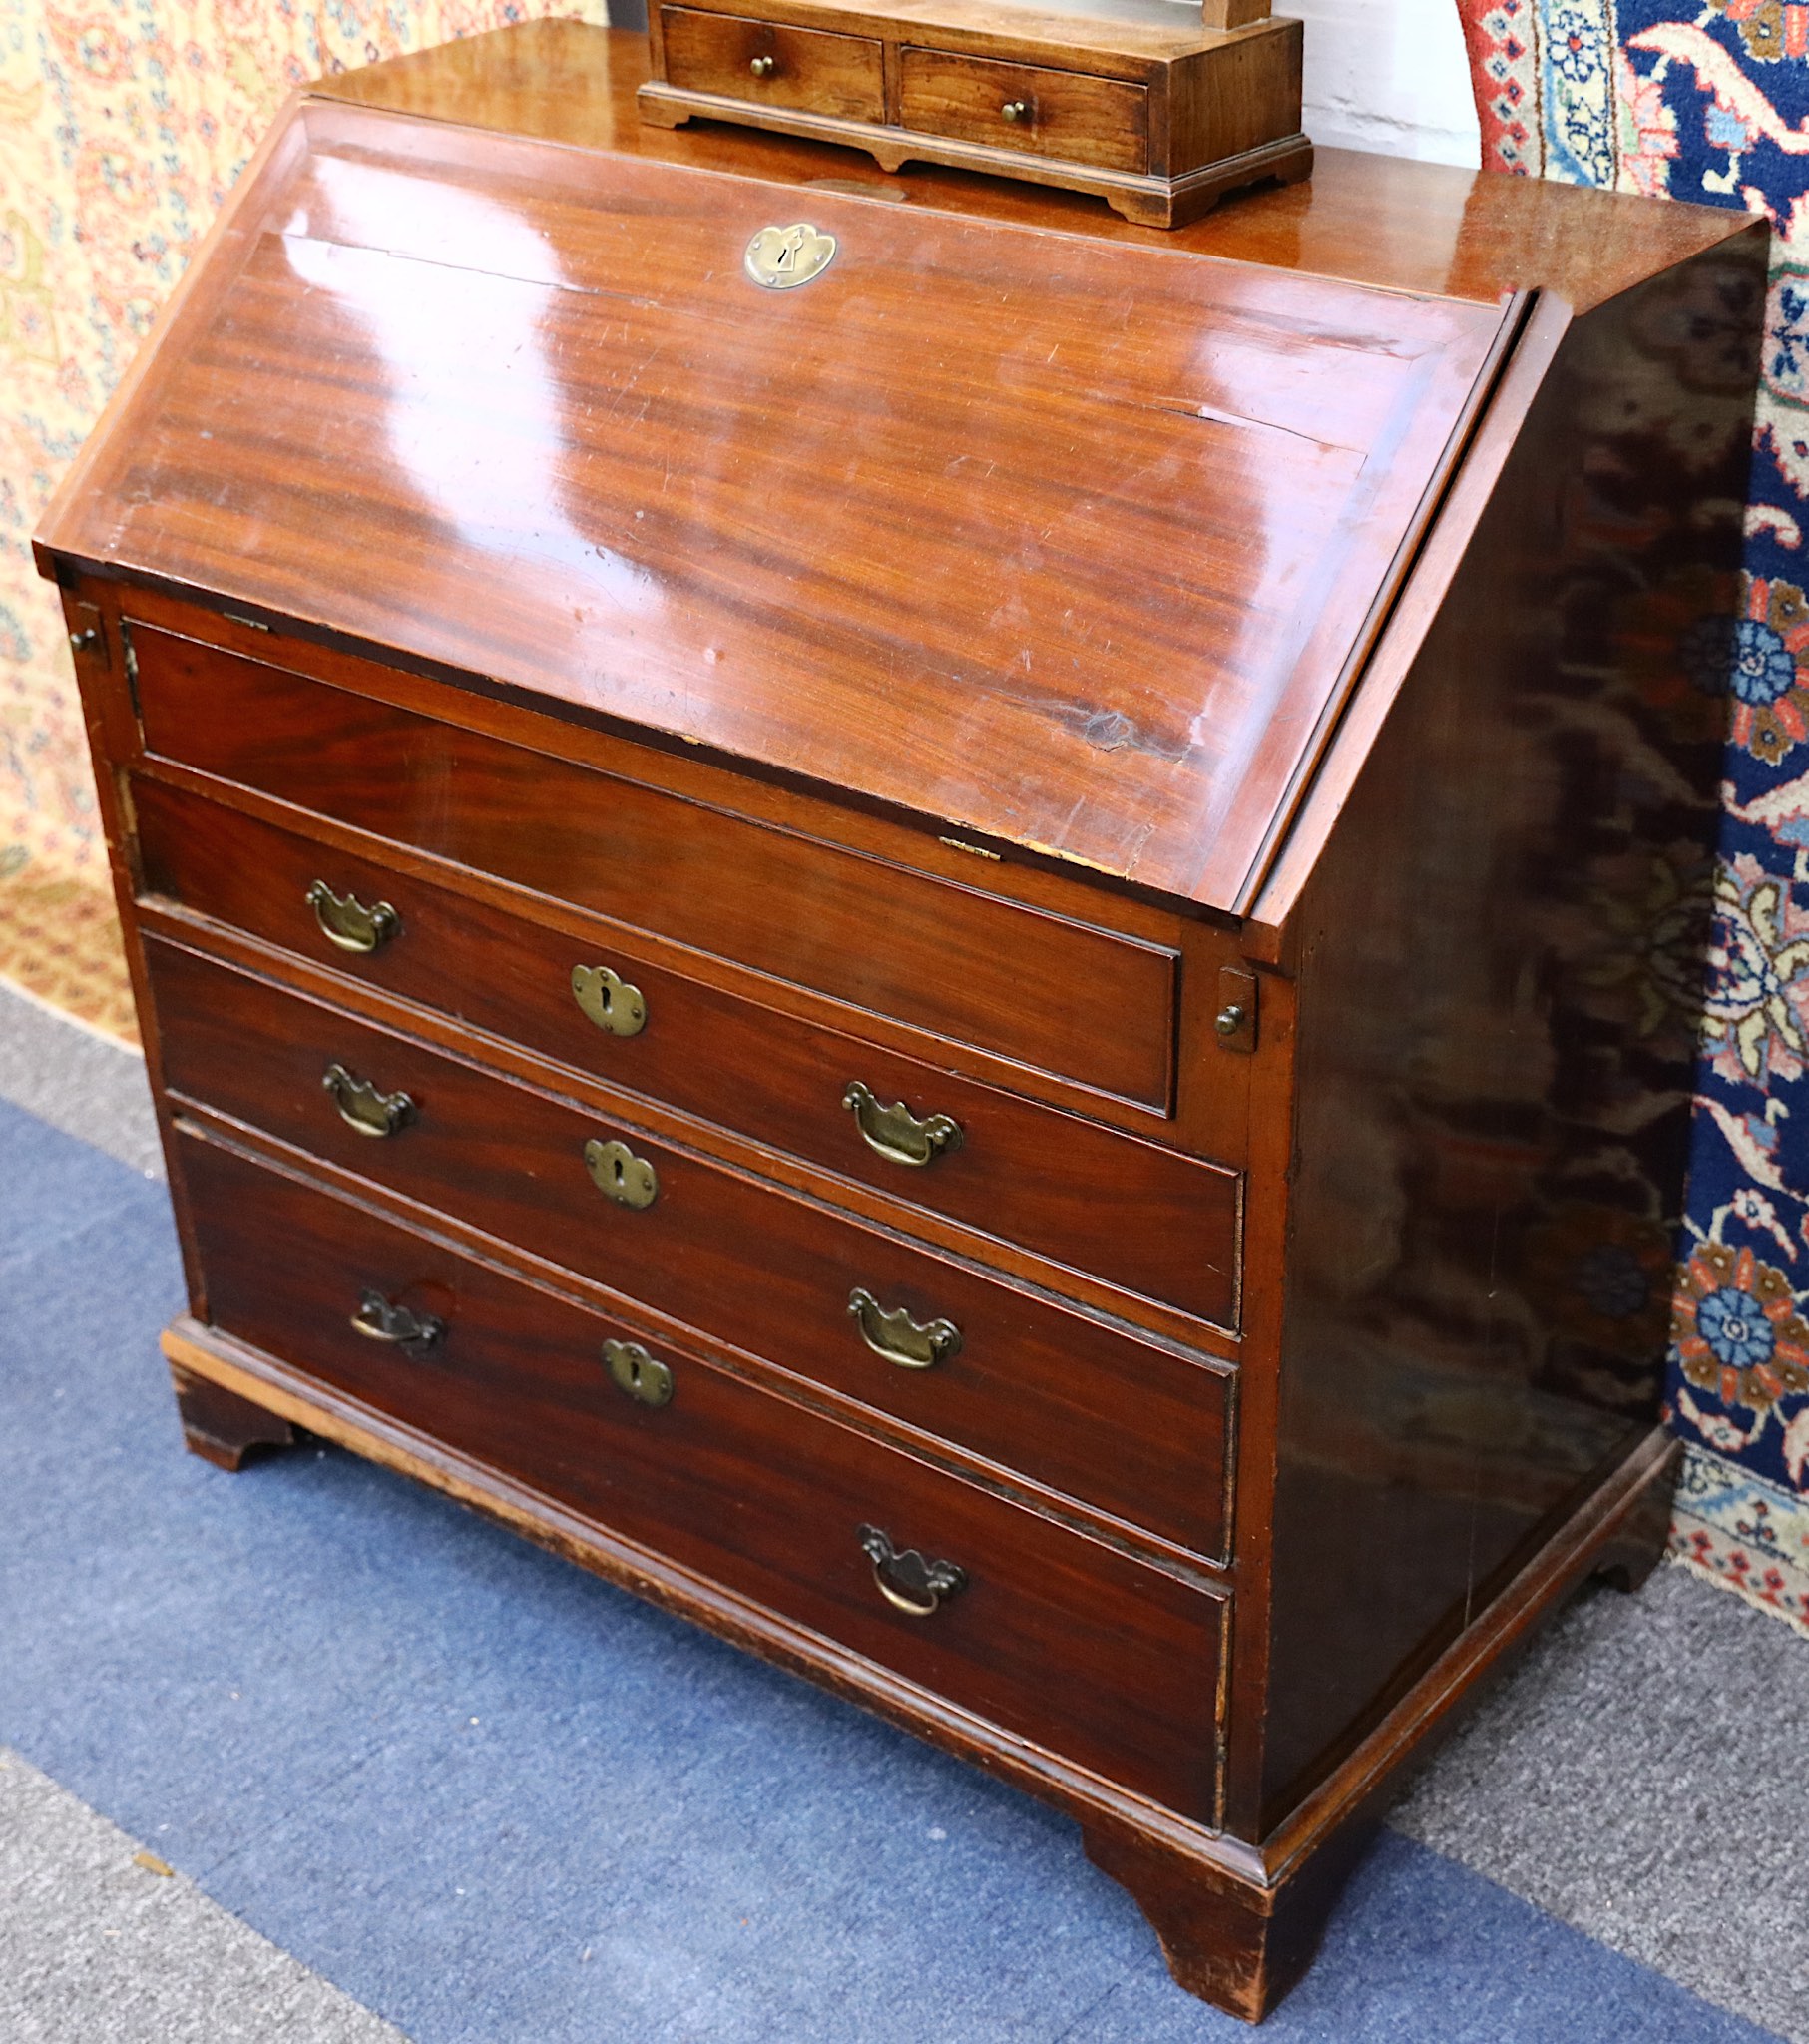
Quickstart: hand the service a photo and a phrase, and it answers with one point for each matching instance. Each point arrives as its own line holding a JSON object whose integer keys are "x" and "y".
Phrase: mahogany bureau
{"x": 982, "y": 968}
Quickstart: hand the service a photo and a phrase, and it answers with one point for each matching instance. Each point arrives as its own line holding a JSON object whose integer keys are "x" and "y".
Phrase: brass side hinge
{"x": 88, "y": 633}
{"x": 1235, "y": 1020}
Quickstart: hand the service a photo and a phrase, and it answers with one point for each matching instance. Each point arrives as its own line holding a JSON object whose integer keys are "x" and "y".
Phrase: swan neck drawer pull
{"x": 895, "y": 1133}
{"x": 345, "y": 920}
{"x": 641, "y": 1375}
{"x": 610, "y": 1002}
{"x": 905, "y": 1580}
{"x": 364, "y": 1108}
{"x": 912, "y": 1345}
{"x": 379, "y": 1321}
{"x": 620, "y": 1175}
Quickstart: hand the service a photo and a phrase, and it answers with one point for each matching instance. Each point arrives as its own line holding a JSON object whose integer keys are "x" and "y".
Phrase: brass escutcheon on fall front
{"x": 781, "y": 258}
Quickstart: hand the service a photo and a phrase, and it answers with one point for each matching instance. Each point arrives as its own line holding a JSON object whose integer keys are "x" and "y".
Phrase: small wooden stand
{"x": 1140, "y": 102}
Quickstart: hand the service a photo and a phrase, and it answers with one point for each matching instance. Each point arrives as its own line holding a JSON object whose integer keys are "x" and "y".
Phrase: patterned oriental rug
{"x": 1712, "y": 106}
{"x": 122, "y": 124}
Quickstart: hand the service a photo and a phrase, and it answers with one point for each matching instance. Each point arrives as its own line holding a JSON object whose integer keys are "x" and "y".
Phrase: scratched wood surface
{"x": 1077, "y": 562}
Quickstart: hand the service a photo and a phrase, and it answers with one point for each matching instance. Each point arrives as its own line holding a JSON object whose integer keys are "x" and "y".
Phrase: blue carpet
{"x": 500, "y": 1802}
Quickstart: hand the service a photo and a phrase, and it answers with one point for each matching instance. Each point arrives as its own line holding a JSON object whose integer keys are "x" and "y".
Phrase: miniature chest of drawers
{"x": 1140, "y": 102}
{"x": 981, "y": 968}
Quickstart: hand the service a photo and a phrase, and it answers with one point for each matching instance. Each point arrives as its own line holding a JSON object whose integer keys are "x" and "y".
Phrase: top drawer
{"x": 1080, "y": 1003}
{"x": 774, "y": 66}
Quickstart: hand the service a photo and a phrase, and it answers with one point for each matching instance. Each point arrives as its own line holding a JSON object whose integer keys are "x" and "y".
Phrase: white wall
{"x": 1389, "y": 76}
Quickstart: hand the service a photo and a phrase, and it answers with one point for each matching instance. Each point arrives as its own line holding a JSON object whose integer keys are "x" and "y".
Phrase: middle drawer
{"x": 1082, "y": 1407}
{"x": 1144, "y": 1217}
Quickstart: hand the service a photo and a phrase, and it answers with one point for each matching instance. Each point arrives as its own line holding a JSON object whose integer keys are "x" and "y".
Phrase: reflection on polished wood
{"x": 1407, "y": 227}
{"x": 1034, "y": 903}
{"x": 1097, "y": 541}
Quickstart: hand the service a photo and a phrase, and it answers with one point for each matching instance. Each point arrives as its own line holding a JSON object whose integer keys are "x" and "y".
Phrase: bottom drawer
{"x": 1057, "y": 1638}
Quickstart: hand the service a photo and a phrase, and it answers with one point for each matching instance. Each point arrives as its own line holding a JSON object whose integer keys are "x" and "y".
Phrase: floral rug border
{"x": 1743, "y": 1534}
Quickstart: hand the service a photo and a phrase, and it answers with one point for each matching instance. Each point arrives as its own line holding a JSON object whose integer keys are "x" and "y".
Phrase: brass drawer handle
{"x": 641, "y": 1375}
{"x": 610, "y": 1002}
{"x": 364, "y": 1108}
{"x": 345, "y": 920}
{"x": 905, "y": 1580}
{"x": 763, "y": 67}
{"x": 379, "y": 1321}
{"x": 620, "y": 1175}
{"x": 910, "y": 1343}
{"x": 895, "y": 1132}
{"x": 1015, "y": 111}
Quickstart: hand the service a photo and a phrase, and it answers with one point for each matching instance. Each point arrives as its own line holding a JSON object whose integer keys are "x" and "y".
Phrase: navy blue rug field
{"x": 495, "y": 1800}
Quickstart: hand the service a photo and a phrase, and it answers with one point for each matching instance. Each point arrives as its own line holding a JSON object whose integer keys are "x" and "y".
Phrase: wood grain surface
{"x": 1081, "y": 1002}
{"x": 1060, "y": 1638}
{"x": 1078, "y": 581}
{"x": 1022, "y": 1172}
{"x": 1071, "y": 1400}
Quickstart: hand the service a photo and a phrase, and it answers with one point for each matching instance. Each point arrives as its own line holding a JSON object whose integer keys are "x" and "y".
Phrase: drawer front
{"x": 1138, "y": 1217}
{"x": 1064, "y": 114}
{"x": 774, "y": 66}
{"x": 1080, "y": 1003}
{"x": 1128, "y": 1426}
{"x": 1057, "y": 1638}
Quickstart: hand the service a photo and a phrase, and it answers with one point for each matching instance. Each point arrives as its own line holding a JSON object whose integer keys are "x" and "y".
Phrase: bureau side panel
{"x": 1501, "y": 951}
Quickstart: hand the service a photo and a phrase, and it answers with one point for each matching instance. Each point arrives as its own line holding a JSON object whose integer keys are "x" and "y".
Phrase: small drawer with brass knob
{"x": 728, "y": 56}
{"x": 1087, "y": 119}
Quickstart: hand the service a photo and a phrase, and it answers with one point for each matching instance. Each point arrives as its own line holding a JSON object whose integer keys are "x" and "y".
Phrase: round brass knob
{"x": 1228, "y": 1021}
{"x": 84, "y": 642}
{"x": 763, "y": 67}
{"x": 1015, "y": 110}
